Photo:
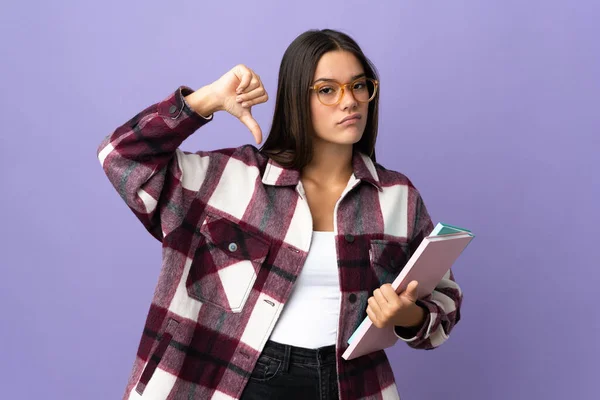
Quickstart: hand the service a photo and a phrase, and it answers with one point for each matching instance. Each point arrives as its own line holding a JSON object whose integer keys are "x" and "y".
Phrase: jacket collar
{"x": 363, "y": 170}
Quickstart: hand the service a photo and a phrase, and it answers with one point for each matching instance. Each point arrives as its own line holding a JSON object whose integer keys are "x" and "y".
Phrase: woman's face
{"x": 341, "y": 67}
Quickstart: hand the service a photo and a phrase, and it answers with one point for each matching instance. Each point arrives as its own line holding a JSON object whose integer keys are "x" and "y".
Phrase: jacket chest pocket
{"x": 387, "y": 258}
{"x": 226, "y": 264}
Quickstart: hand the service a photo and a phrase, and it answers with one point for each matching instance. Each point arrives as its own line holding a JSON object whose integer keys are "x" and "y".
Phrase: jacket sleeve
{"x": 144, "y": 164}
{"x": 442, "y": 306}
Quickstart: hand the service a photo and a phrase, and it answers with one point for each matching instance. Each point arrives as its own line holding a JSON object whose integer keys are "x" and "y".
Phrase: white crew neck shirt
{"x": 310, "y": 317}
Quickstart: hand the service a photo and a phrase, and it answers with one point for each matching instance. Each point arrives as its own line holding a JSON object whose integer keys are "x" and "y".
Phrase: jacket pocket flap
{"x": 232, "y": 239}
{"x": 388, "y": 254}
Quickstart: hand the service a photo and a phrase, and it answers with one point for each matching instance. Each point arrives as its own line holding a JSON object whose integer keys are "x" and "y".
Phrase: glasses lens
{"x": 363, "y": 90}
{"x": 329, "y": 92}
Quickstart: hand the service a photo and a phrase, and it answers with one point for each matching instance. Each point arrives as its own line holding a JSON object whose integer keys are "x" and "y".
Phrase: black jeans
{"x": 289, "y": 373}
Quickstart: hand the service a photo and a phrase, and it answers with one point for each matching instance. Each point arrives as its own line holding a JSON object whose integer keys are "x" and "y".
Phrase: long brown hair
{"x": 290, "y": 139}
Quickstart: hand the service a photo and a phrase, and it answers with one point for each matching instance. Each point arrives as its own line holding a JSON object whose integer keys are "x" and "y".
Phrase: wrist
{"x": 203, "y": 101}
{"x": 417, "y": 317}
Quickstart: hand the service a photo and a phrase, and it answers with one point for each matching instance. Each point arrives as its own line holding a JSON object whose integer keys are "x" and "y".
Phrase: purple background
{"x": 491, "y": 108}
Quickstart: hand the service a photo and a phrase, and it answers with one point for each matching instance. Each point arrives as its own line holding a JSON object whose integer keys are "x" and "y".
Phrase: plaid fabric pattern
{"x": 236, "y": 228}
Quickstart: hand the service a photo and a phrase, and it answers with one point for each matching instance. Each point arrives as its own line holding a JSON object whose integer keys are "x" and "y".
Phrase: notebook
{"x": 430, "y": 262}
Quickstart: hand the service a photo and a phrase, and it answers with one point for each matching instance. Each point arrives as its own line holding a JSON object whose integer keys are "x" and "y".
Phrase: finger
{"x": 258, "y": 100}
{"x": 373, "y": 317}
{"x": 381, "y": 300}
{"x": 375, "y": 306}
{"x": 258, "y": 92}
{"x": 411, "y": 291}
{"x": 248, "y": 120}
{"x": 245, "y": 76}
{"x": 388, "y": 292}
{"x": 254, "y": 84}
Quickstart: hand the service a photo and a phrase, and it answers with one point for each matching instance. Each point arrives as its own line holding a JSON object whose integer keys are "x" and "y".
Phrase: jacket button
{"x": 352, "y": 298}
{"x": 232, "y": 247}
{"x": 349, "y": 238}
{"x": 172, "y": 109}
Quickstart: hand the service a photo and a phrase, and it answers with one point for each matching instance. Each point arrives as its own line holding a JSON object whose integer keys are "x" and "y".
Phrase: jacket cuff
{"x": 176, "y": 108}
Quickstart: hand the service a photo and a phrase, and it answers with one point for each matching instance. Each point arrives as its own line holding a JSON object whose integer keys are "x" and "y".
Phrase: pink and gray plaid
{"x": 236, "y": 228}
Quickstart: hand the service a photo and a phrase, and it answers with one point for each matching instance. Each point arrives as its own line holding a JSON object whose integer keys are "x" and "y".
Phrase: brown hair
{"x": 290, "y": 139}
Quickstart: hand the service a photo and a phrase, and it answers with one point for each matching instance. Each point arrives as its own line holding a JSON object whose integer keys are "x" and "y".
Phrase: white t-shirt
{"x": 310, "y": 317}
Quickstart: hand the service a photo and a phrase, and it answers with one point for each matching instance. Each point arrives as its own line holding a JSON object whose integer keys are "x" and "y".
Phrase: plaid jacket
{"x": 235, "y": 229}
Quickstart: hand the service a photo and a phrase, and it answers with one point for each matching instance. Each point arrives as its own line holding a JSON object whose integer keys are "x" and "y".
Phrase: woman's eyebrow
{"x": 333, "y": 80}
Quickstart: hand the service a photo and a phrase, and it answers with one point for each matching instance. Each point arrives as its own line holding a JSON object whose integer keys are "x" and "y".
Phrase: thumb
{"x": 411, "y": 291}
{"x": 248, "y": 120}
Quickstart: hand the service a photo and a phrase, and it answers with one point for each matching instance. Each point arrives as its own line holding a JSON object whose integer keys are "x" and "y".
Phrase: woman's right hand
{"x": 235, "y": 92}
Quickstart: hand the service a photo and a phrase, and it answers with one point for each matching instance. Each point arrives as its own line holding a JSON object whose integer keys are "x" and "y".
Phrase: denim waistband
{"x": 299, "y": 355}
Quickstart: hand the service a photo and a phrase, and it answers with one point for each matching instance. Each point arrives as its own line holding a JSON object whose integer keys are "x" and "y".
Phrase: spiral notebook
{"x": 430, "y": 262}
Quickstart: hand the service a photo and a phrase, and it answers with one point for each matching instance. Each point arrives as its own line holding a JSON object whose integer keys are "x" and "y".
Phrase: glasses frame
{"x": 343, "y": 86}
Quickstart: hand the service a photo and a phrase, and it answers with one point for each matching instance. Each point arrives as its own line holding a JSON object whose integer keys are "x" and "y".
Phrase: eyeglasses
{"x": 330, "y": 93}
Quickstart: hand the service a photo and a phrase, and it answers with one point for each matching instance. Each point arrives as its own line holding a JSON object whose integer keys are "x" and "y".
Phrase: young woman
{"x": 273, "y": 257}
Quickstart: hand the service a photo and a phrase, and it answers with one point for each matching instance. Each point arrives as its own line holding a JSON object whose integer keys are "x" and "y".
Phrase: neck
{"x": 331, "y": 164}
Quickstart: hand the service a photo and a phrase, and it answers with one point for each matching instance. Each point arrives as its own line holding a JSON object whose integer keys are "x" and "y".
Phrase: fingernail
{"x": 244, "y": 104}
{"x": 238, "y": 99}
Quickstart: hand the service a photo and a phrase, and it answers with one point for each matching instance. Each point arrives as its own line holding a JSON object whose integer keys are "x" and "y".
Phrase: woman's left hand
{"x": 386, "y": 308}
